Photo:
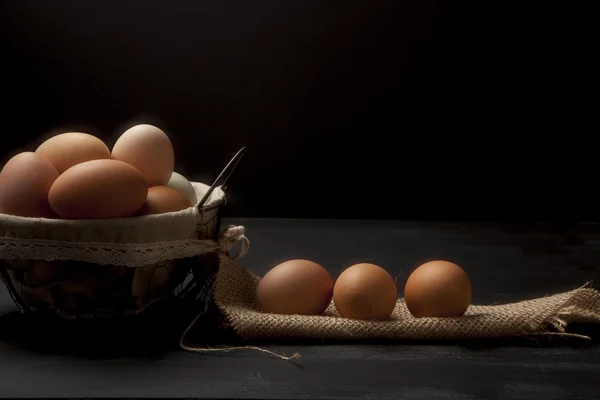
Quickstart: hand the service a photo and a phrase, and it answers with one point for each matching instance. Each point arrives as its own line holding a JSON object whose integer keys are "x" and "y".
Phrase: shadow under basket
{"x": 109, "y": 268}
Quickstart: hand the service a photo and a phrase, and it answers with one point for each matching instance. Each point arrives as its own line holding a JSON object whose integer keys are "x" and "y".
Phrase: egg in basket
{"x": 88, "y": 232}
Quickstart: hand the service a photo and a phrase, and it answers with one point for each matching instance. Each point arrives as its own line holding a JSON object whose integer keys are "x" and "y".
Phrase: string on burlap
{"x": 234, "y": 291}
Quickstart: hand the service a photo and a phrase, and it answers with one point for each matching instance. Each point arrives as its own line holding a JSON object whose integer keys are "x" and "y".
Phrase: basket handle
{"x": 222, "y": 178}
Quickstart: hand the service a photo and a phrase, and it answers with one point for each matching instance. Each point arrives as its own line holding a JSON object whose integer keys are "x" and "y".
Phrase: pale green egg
{"x": 179, "y": 182}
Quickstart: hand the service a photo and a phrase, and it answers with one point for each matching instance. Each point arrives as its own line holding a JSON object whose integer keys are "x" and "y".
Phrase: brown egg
{"x": 20, "y": 264}
{"x": 438, "y": 289}
{"x": 164, "y": 199}
{"x": 149, "y": 150}
{"x": 41, "y": 296}
{"x": 25, "y": 182}
{"x": 72, "y": 294}
{"x": 69, "y": 149}
{"x": 40, "y": 273}
{"x": 299, "y": 287}
{"x": 366, "y": 292}
{"x": 98, "y": 189}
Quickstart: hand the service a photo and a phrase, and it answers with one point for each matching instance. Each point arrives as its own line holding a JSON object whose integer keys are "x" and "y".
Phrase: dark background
{"x": 354, "y": 109}
{"x": 349, "y": 109}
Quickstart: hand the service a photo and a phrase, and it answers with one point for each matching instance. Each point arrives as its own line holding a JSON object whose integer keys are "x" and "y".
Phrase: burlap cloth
{"x": 234, "y": 294}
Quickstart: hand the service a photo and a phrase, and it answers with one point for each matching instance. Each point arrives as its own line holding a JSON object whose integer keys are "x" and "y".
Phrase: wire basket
{"x": 111, "y": 268}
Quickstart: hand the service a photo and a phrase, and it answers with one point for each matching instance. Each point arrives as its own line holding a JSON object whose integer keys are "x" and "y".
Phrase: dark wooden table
{"x": 505, "y": 262}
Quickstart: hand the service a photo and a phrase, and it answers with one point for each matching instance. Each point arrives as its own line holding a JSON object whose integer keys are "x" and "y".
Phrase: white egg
{"x": 179, "y": 182}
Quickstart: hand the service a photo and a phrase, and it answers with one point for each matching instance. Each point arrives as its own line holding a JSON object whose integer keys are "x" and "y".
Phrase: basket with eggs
{"x": 86, "y": 231}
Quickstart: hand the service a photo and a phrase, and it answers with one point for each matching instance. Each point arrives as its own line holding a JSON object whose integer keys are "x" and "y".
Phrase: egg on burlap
{"x": 299, "y": 287}
{"x": 438, "y": 289}
{"x": 366, "y": 292}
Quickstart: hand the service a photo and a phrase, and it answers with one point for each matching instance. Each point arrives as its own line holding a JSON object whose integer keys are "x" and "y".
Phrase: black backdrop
{"x": 377, "y": 109}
